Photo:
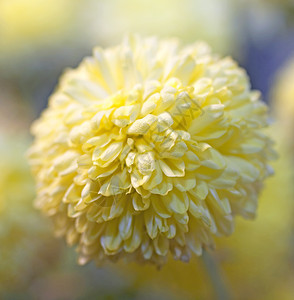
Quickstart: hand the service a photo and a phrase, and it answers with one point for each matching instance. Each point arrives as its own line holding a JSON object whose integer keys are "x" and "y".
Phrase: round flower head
{"x": 149, "y": 148}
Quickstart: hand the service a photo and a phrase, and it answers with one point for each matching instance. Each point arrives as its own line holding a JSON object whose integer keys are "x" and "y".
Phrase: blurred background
{"x": 38, "y": 40}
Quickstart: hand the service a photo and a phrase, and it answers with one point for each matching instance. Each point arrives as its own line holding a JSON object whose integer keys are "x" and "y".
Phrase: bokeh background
{"x": 38, "y": 40}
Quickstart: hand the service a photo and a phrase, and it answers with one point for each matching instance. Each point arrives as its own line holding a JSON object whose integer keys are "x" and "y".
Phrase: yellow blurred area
{"x": 24, "y": 22}
{"x": 189, "y": 20}
{"x": 15, "y": 179}
{"x": 32, "y": 23}
{"x": 26, "y": 245}
{"x": 283, "y": 99}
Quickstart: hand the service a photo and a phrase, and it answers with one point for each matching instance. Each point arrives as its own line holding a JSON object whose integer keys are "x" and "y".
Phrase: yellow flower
{"x": 255, "y": 262}
{"x": 149, "y": 148}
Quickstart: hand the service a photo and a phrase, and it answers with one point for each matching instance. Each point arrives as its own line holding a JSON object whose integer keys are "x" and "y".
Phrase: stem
{"x": 215, "y": 277}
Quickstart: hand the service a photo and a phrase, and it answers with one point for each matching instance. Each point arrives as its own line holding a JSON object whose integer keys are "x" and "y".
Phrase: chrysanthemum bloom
{"x": 244, "y": 257}
{"x": 149, "y": 148}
